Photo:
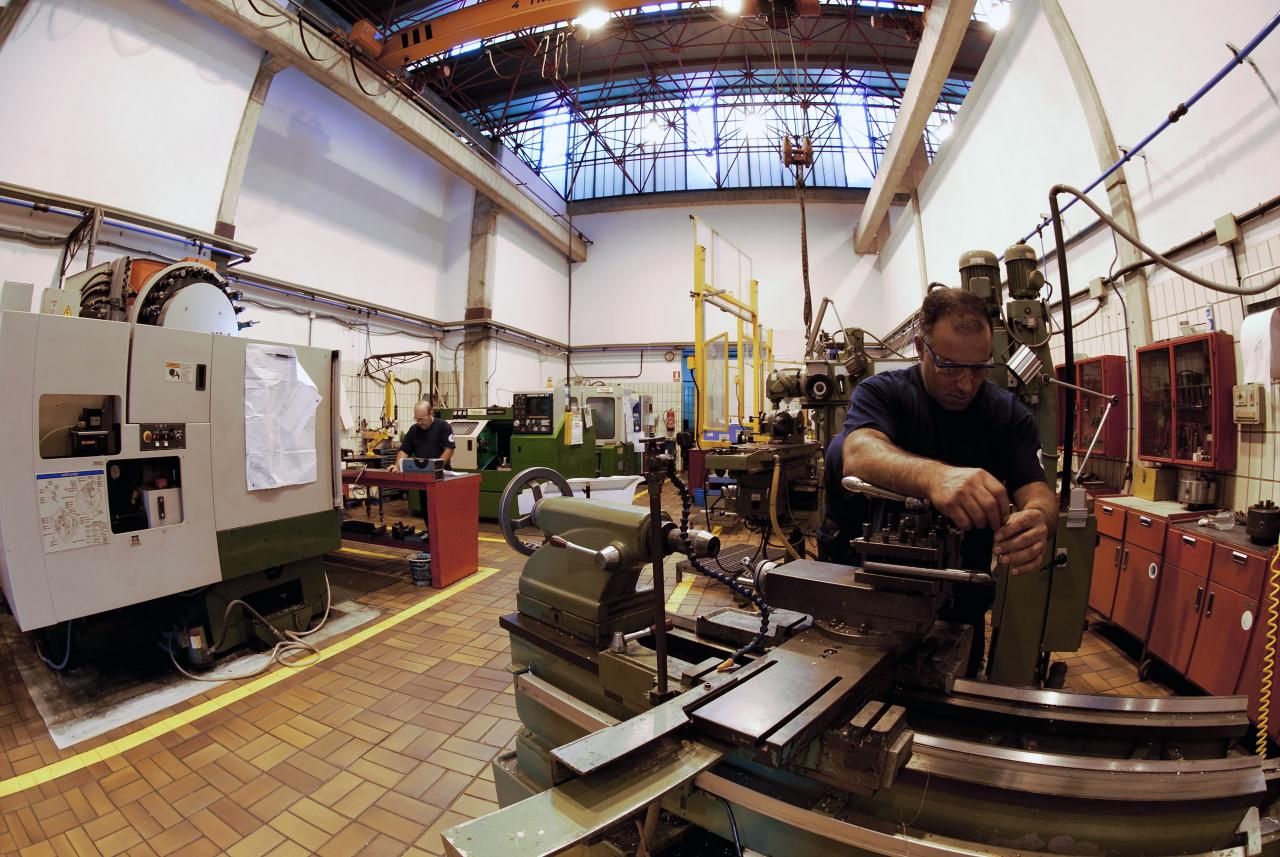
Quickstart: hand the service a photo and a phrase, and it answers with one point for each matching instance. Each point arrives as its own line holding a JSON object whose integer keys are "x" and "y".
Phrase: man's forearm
{"x": 446, "y": 456}
{"x": 1038, "y": 496}
{"x": 870, "y": 456}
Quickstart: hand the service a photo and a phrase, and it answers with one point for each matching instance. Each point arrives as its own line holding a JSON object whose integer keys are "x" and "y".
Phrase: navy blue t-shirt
{"x": 995, "y": 432}
{"x": 430, "y": 442}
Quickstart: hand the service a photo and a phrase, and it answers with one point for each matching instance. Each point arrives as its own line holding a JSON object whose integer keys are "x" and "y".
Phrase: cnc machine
{"x": 151, "y": 451}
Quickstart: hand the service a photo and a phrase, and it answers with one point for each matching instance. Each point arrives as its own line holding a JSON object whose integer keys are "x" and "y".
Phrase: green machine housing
{"x": 499, "y": 442}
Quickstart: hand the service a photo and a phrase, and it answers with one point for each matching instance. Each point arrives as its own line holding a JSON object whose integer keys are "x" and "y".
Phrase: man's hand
{"x": 1021, "y": 541}
{"x": 399, "y": 465}
{"x": 970, "y": 496}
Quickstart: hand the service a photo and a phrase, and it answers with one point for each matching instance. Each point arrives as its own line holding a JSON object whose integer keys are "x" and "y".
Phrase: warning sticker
{"x": 179, "y": 373}
{"x": 73, "y": 509}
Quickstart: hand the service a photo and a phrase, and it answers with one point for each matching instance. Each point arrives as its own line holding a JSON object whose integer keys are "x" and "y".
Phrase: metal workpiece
{"x": 954, "y": 575}
{"x": 843, "y": 597}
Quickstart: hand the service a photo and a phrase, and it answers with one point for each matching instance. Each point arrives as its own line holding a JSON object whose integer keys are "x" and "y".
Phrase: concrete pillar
{"x": 226, "y": 223}
{"x": 9, "y": 17}
{"x": 1104, "y": 144}
{"x": 478, "y": 344}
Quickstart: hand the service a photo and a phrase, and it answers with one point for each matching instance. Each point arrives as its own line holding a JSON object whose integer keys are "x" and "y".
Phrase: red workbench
{"x": 453, "y": 516}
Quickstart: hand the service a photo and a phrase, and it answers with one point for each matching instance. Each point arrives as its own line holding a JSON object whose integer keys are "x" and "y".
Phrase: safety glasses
{"x": 953, "y": 367}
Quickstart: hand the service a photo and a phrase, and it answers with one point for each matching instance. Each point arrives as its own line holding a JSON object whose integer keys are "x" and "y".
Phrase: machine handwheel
{"x": 533, "y": 478}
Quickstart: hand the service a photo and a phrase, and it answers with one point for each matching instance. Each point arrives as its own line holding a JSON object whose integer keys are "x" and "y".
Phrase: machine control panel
{"x": 162, "y": 436}
{"x": 533, "y": 413}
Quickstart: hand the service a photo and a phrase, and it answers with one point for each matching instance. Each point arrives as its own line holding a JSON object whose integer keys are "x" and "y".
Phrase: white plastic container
{"x": 610, "y": 489}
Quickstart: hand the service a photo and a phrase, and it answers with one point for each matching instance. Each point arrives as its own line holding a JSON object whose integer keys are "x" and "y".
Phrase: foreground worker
{"x": 940, "y": 430}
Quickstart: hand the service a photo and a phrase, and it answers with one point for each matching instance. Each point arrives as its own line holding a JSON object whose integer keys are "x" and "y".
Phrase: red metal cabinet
{"x": 1184, "y": 402}
{"x": 1176, "y": 617}
{"x": 1226, "y": 627}
{"x": 1146, "y": 531}
{"x": 1111, "y": 518}
{"x": 1106, "y": 572}
{"x": 1108, "y": 374}
{"x": 1136, "y": 590}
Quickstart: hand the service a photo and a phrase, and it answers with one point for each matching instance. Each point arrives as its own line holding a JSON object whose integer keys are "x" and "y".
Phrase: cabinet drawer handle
{"x": 1125, "y": 564}
{"x": 1117, "y": 561}
{"x": 1189, "y": 540}
{"x": 1108, "y": 510}
{"x": 1144, "y": 521}
{"x": 1208, "y": 608}
{"x": 1239, "y": 558}
{"x": 1199, "y": 598}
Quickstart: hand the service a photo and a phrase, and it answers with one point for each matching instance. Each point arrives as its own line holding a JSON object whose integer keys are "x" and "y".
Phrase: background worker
{"x": 428, "y": 437}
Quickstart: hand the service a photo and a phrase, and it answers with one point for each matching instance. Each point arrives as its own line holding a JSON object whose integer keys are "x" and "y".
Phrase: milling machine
{"x": 160, "y": 467}
{"x": 830, "y": 722}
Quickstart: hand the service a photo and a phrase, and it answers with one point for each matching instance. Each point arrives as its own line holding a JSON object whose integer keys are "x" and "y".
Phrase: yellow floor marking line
{"x": 641, "y": 494}
{"x": 372, "y": 553}
{"x": 78, "y": 762}
{"x": 678, "y": 594}
{"x": 490, "y": 539}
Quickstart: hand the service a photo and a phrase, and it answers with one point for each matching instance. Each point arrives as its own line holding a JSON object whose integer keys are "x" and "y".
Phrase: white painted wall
{"x": 531, "y": 278}
{"x": 634, "y": 286}
{"x": 340, "y": 203}
{"x": 133, "y": 103}
{"x": 1220, "y": 157}
{"x": 1021, "y": 130}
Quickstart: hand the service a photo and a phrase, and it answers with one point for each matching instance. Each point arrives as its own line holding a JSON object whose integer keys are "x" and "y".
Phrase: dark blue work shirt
{"x": 430, "y": 442}
{"x": 995, "y": 432}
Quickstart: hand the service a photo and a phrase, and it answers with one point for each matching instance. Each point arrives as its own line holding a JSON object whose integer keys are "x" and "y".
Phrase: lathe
{"x": 830, "y": 722}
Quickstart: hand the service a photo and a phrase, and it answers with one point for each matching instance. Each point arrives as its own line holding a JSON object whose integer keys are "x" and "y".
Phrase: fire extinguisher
{"x": 671, "y": 419}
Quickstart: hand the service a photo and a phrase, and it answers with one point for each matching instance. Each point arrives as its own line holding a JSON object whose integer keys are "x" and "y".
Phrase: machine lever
{"x": 607, "y": 558}
{"x": 620, "y": 640}
{"x": 855, "y": 485}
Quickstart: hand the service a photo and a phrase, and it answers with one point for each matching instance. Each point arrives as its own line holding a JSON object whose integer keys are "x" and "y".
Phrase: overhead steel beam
{"x": 9, "y": 15}
{"x": 945, "y": 25}
{"x": 282, "y": 35}
{"x": 226, "y": 222}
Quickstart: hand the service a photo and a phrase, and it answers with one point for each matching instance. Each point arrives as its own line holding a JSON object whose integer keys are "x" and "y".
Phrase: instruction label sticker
{"x": 180, "y": 373}
{"x": 73, "y": 509}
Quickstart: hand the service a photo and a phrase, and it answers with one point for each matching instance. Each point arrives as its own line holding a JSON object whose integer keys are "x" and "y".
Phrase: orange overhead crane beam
{"x": 494, "y": 17}
{"x": 481, "y": 21}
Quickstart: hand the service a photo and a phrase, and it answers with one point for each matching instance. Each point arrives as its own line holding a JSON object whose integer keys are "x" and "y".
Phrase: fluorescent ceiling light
{"x": 653, "y": 132}
{"x": 754, "y": 125}
{"x": 733, "y": 7}
{"x": 998, "y": 16}
{"x": 592, "y": 19}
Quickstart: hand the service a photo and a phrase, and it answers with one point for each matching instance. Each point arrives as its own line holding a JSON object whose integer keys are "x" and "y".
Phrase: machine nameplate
{"x": 73, "y": 509}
